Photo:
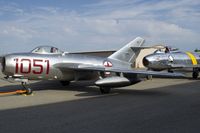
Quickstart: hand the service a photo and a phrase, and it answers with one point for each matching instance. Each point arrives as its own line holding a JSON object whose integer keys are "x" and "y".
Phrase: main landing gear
{"x": 195, "y": 73}
{"x": 105, "y": 90}
{"x": 28, "y": 90}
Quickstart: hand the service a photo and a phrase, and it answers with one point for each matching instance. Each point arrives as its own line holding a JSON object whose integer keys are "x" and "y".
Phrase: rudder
{"x": 128, "y": 53}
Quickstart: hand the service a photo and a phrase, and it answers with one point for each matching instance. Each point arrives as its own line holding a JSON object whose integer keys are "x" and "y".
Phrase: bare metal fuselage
{"x": 176, "y": 60}
{"x": 43, "y": 67}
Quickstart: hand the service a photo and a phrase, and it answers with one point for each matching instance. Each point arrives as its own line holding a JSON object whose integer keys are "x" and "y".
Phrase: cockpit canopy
{"x": 167, "y": 49}
{"x": 46, "y": 50}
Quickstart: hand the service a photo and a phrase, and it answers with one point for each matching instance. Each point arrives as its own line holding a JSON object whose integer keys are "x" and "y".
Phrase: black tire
{"x": 149, "y": 77}
{"x": 105, "y": 90}
{"x": 29, "y": 91}
{"x": 170, "y": 71}
{"x": 195, "y": 75}
{"x": 65, "y": 83}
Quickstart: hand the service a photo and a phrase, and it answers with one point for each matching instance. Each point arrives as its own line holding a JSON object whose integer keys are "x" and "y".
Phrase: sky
{"x": 94, "y": 25}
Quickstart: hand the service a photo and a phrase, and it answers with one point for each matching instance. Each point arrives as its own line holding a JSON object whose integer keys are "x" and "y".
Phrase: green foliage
{"x": 197, "y": 50}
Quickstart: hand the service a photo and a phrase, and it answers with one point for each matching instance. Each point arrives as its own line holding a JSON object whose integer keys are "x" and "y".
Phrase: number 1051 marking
{"x": 36, "y": 64}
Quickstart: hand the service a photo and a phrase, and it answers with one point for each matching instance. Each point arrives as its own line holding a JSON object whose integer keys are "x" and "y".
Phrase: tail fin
{"x": 128, "y": 53}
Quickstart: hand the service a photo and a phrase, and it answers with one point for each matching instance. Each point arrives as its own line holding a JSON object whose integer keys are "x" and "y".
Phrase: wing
{"x": 91, "y": 67}
{"x": 183, "y": 66}
{"x": 97, "y": 53}
{"x": 147, "y": 72}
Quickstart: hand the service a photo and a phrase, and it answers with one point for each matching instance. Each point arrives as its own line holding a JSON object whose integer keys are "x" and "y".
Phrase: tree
{"x": 197, "y": 50}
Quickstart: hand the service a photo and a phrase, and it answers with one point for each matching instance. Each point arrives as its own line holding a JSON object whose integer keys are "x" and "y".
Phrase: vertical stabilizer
{"x": 128, "y": 53}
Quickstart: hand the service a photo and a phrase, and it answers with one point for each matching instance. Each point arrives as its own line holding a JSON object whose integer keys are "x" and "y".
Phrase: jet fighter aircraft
{"x": 174, "y": 61}
{"x": 49, "y": 63}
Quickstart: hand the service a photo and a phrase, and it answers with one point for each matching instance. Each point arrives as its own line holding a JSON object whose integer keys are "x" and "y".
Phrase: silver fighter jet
{"x": 174, "y": 61}
{"x": 49, "y": 63}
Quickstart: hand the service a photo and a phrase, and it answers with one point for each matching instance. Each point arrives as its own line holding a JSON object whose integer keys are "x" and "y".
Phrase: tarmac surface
{"x": 154, "y": 106}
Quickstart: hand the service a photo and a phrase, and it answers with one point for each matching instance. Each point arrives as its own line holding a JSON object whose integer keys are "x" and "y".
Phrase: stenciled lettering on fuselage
{"x": 34, "y": 66}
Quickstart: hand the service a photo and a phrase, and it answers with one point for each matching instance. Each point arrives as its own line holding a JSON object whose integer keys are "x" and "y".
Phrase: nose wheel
{"x": 27, "y": 88}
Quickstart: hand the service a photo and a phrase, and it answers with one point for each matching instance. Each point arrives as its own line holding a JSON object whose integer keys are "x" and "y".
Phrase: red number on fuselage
{"x": 22, "y": 67}
{"x": 16, "y": 66}
{"x": 37, "y": 68}
{"x": 47, "y": 71}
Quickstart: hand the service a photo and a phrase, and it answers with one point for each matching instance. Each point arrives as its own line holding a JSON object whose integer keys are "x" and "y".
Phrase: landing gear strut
{"x": 105, "y": 90}
{"x": 28, "y": 90}
{"x": 195, "y": 73}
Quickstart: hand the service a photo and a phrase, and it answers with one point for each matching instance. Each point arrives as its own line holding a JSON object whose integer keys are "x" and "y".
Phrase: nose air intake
{"x": 3, "y": 64}
{"x": 145, "y": 62}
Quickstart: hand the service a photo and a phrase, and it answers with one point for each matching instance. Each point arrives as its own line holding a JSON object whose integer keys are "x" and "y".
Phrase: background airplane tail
{"x": 128, "y": 53}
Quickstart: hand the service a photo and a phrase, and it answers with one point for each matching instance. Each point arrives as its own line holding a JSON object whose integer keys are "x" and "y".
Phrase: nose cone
{"x": 146, "y": 61}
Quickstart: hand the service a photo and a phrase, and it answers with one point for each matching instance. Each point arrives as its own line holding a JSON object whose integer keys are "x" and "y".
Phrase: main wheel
{"x": 105, "y": 90}
{"x": 65, "y": 83}
{"x": 29, "y": 91}
{"x": 195, "y": 75}
{"x": 149, "y": 77}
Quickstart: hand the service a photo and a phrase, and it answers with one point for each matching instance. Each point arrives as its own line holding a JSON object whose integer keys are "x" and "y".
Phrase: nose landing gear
{"x": 28, "y": 90}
